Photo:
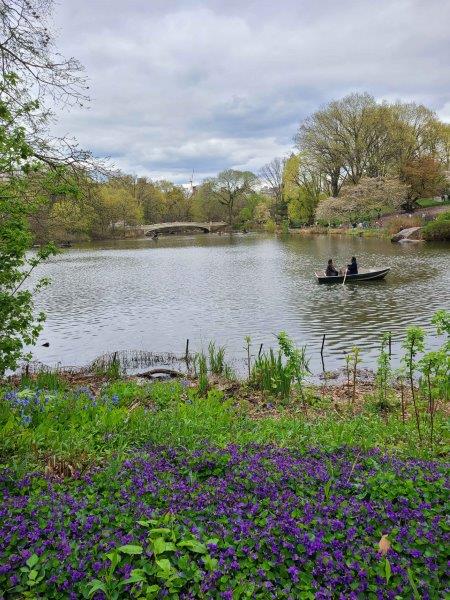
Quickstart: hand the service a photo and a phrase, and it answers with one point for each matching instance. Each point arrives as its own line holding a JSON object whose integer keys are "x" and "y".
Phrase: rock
{"x": 409, "y": 234}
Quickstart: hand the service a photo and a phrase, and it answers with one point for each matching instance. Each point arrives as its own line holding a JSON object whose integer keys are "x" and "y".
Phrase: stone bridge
{"x": 210, "y": 227}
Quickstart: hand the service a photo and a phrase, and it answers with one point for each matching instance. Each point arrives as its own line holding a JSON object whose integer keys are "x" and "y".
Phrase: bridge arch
{"x": 180, "y": 226}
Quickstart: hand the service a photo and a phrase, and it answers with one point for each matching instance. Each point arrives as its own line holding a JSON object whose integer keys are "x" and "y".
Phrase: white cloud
{"x": 211, "y": 84}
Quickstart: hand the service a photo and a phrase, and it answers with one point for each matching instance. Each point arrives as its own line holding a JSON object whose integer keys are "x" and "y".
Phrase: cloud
{"x": 214, "y": 84}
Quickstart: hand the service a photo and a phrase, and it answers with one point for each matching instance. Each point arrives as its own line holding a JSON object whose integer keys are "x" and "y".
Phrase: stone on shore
{"x": 411, "y": 234}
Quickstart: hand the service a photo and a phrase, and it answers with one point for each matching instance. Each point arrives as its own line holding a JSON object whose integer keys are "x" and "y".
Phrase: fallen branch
{"x": 152, "y": 372}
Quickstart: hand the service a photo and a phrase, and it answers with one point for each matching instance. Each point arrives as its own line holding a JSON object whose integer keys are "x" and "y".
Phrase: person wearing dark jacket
{"x": 331, "y": 271}
{"x": 352, "y": 268}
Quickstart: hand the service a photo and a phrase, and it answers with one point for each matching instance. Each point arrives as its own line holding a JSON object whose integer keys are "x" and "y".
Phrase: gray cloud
{"x": 213, "y": 84}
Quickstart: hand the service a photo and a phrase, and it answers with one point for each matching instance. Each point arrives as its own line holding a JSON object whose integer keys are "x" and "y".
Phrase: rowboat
{"x": 363, "y": 275}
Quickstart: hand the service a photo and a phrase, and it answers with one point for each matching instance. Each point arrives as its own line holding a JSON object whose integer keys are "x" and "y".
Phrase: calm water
{"x": 149, "y": 295}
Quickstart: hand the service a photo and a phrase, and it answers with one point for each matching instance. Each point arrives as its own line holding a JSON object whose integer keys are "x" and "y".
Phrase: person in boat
{"x": 352, "y": 268}
{"x": 331, "y": 271}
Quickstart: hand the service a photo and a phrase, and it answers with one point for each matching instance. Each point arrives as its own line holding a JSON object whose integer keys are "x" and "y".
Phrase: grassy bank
{"x": 68, "y": 430}
{"x": 127, "y": 489}
{"x": 379, "y": 232}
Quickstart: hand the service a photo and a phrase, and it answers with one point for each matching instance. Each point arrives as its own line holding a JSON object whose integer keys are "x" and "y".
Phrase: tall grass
{"x": 270, "y": 374}
{"x": 216, "y": 359}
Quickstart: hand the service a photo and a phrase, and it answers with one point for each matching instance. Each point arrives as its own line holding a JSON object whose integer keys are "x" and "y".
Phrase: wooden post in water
{"x": 260, "y": 350}
{"x": 321, "y": 352}
{"x": 390, "y": 343}
{"x": 186, "y": 352}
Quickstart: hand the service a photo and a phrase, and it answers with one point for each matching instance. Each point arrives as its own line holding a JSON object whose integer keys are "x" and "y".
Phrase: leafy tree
{"x": 230, "y": 188}
{"x": 205, "y": 205}
{"x": 18, "y": 325}
{"x": 357, "y": 137}
{"x": 425, "y": 177}
{"x": 250, "y": 212}
{"x": 32, "y": 72}
{"x": 176, "y": 201}
{"x": 302, "y": 189}
{"x": 272, "y": 174}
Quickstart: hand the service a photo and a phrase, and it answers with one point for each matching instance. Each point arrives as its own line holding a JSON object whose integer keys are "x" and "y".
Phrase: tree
{"x": 32, "y": 72}
{"x": 365, "y": 201}
{"x": 37, "y": 76}
{"x": 205, "y": 205}
{"x": 272, "y": 174}
{"x": 425, "y": 177}
{"x": 18, "y": 325}
{"x": 302, "y": 189}
{"x": 357, "y": 137}
{"x": 230, "y": 188}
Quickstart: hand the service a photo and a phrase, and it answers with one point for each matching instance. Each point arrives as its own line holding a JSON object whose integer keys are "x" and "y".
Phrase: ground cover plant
{"x": 204, "y": 487}
{"x": 254, "y": 522}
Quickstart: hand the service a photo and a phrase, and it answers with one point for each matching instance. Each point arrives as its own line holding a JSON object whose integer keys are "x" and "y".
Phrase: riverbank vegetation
{"x": 388, "y": 157}
{"x": 210, "y": 487}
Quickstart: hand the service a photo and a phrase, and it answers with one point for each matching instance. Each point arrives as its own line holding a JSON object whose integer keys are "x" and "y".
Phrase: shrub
{"x": 270, "y": 226}
{"x": 438, "y": 229}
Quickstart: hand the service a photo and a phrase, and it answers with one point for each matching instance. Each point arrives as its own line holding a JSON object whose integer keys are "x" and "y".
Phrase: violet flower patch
{"x": 253, "y": 522}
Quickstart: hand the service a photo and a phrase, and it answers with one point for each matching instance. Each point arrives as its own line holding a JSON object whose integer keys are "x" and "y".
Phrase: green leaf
{"x": 387, "y": 570}
{"x": 136, "y": 576}
{"x": 210, "y": 563}
{"x": 159, "y": 531}
{"x": 160, "y": 545}
{"x": 164, "y": 565}
{"x": 96, "y": 586}
{"x": 193, "y": 545}
{"x": 413, "y": 585}
{"x": 32, "y": 561}
{"x": 130, "y": 549}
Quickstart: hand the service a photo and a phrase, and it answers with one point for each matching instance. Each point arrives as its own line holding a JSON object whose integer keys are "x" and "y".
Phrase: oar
{"x": 345, "y": 276}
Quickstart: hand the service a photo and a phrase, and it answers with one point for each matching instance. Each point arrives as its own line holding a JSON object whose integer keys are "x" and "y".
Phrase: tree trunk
{"x": 335, "y": 183}
{"x": 230, "y": 213}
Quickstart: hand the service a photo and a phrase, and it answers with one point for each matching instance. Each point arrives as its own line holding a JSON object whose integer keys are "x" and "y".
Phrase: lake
{"x": 153, "y": 295}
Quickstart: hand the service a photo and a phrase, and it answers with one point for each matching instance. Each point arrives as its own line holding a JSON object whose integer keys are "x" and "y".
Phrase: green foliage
{"x": 275, "y": 372}
{"x": 216, "y": 359}
{"x": 19, "y": 326}
{"x": 353, "y": 361}
{"x": 201, "y": 365}
{"x": 270, "y": 226}
{"x": 413, "y": 343}
{"x": 427, "y": 202}
{"x": 383, "y": 375}
{"x": 175, "y": 556}
{"x": 271, "y": 375}
{"x": 296, "y": 361}
{"x": 439, "y": 229}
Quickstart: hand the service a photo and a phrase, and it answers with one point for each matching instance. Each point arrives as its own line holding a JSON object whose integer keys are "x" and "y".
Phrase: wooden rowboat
{"x": 364, "y": 275}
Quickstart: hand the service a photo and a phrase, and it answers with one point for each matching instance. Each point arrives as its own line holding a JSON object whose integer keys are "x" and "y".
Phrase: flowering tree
{"x": 372, "y": 197}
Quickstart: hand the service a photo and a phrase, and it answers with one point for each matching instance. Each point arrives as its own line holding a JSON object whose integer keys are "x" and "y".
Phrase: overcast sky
{"x": 178, "y": 85}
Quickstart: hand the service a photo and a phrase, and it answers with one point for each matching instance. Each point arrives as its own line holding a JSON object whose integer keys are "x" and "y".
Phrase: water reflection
{"x": 142, "y": 294}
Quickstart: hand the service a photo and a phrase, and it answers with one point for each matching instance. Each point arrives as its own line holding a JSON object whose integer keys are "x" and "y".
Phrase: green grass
{"x": 427, "y": 202}
{"x": 74, "y": 426}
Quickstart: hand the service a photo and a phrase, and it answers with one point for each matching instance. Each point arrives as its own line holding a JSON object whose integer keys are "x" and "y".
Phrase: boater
{"x": 331, "y": 271}
{"x": 352, "y": 268}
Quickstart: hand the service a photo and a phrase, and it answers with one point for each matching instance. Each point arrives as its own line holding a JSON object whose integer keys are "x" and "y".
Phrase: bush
{"x": 438, "y": 229}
